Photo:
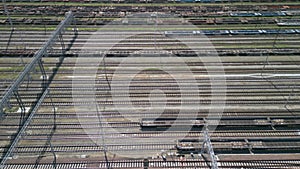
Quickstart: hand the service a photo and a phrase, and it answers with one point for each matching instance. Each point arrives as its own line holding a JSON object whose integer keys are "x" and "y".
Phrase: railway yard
{"x": 149, "y": 84}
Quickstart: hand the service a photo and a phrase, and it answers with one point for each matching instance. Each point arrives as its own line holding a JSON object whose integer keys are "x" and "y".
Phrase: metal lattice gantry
{"x": 17, "y": 138}
{"x": 13, "y": 89}
{"x": 36, "y": 59}
{"x": 208, "y": 148}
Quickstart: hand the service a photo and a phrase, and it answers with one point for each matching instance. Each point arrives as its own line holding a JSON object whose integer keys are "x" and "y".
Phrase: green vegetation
{"x": 8, "y": 76}
{"x": 31, "y": 17}
{"x": 152, "y": 69}
{"x": 29, "y": 28}
{"x": 233, "y": 46}
{"x": 11, "y": 69}
{"x": 58, "y": 18}
{"x": 256, "y": 46}
{"x": 144, "y": 4}
{"x": 115, "y": 28}
{"x": 11, "y": 110}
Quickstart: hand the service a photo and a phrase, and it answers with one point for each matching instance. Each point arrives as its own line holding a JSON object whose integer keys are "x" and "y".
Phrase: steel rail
{"x": 18, "y": 137}
{"x": 38, "y": 55}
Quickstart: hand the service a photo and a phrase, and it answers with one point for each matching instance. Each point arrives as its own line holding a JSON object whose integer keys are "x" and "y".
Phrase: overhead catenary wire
{"x": 10, "y": 23}
{"x": 98, "y": 113}
{"x": 7, "y": 14}
{"x": 22, "y": 130}
{"x": 267, "y": 62}
{"x": 45, "y": 91}
{"x": 102, "y": 134}
{"x": 36, "y": 58}
{"x": 53, "y": 130}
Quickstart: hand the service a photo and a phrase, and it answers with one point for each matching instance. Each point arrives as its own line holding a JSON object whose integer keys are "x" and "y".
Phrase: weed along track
{"x": 149, "y": 84}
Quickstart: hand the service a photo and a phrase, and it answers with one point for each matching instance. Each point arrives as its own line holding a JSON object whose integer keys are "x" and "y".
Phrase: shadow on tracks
{"x": 45, "y": 85}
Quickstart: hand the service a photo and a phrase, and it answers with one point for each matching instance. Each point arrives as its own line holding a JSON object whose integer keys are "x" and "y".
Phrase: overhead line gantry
{"x": 36, "y": 59}
{"x": 13, "y": 89}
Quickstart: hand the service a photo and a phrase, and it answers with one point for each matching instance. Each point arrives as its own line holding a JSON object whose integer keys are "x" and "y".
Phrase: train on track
{"x": 166, "y": 122}
{"x": 232, "y": 32}
{"x": 256, "y": 145}
{"x": 263, "y": 14}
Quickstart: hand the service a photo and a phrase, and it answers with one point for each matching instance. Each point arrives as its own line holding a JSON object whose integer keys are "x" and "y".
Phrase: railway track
{"x": 260, "y": 123}
{"x": 161, "y": 164}
{"x": 133, "y": 44}
{"x": 221, "y": 146}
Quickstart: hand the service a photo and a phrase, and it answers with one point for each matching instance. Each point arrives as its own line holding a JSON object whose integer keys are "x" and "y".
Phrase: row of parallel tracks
{"x": 69, "y": 137}
{"x": 162, "y": 164}
{"x": 33, "y": 41}
{"x": 247, "y": 96}
{"x": 257, "y": 118}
